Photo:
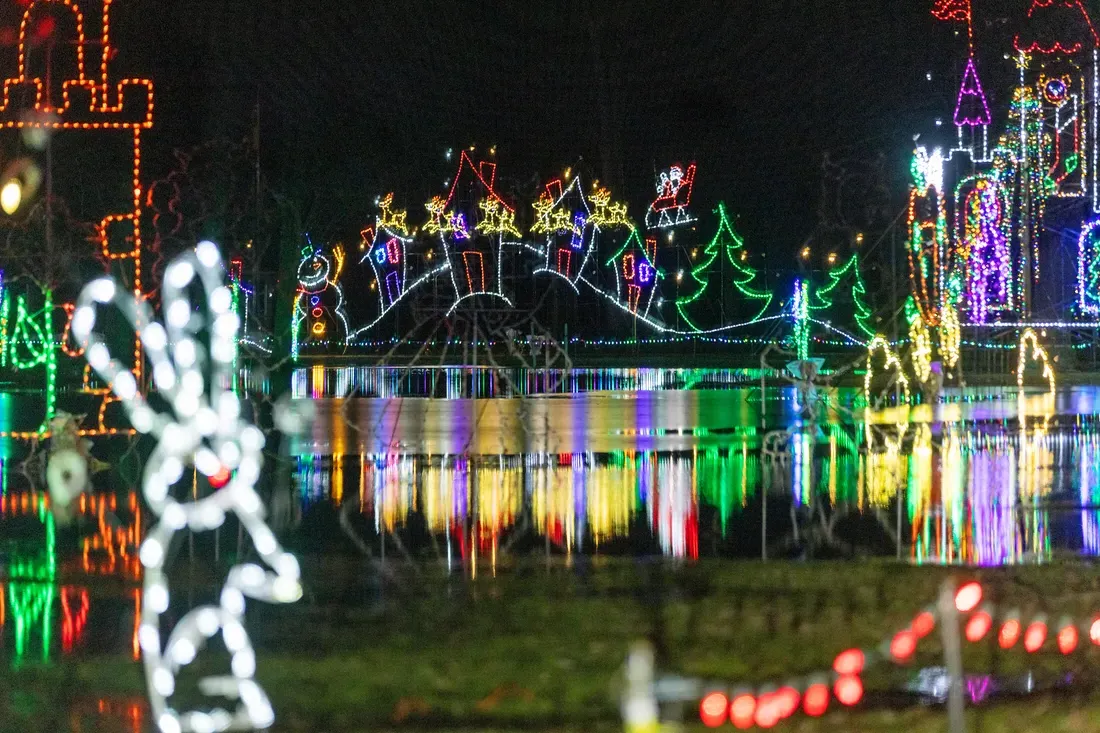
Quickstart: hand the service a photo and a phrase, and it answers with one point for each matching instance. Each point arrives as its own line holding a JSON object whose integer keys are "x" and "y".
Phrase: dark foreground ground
{"x": 541, "y": 649}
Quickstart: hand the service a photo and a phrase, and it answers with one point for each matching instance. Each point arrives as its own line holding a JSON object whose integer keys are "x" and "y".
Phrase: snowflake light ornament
{"x": 203, "y": 428}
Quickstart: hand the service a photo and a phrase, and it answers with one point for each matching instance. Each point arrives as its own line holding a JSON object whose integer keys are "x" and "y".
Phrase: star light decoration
{"x": 203, "y": 429}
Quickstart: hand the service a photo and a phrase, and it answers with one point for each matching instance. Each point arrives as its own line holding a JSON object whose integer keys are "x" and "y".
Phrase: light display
{"x": 800, "y": 313}
{"x": 1088, "y": 269}
{"x": 1048, "y": 19}
{"x": 728, "y": 242}
{"x": 566, "y": 220}
{"x": 319, "y": 301}
{"x": 972, "y": 107}
{"x": 927, "y": 228}
{"x": 674, "y": 188}
{"x": 825, "y": 296}
{"x": 1032, "y": 350}
{"x": 636, "y": 273}
{"x": 879, "y": 343}
{"x": 31, "y": 345}
{"x": 984, "y": 212}
{"x": 204, "y": 430}
{"x": 920, "y": 342}
{"x": 386, "y": 246}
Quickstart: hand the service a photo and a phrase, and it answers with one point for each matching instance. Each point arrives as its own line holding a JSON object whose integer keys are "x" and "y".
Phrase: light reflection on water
{"x": 991, "y": 477}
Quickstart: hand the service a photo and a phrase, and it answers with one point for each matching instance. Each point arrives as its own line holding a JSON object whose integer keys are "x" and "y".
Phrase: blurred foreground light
{"x": 1094, "y": 632}
{"x": 743, "y": 711}
{"x": 815, "y": 701}
{"x": 903, "y": 645}
{"x": 968, "y": 597}
{"x": 712, "y": 709}
{"x": 786, "y": 700}
{"x": 923, "y": 624}
{"x": 848, "y": 689}
{"x": 1035, "y": 636}
{"x": 849, "y": 662}
{"x": 1010, "y": 634}
{"x": 978, "y": 626}
{"x": 1068, "y": 638}
{"x": 11, "y": 196}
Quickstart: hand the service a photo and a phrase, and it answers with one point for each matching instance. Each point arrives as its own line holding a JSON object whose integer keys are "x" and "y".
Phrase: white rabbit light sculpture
{"x": 203, "y": 429}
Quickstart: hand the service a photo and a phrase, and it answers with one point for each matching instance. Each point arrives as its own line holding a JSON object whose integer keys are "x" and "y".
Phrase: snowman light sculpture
{"x": 203, "y": 428}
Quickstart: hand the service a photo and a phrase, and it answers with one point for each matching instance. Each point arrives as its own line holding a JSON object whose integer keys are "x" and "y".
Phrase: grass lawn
{"x": 538, "y": 649}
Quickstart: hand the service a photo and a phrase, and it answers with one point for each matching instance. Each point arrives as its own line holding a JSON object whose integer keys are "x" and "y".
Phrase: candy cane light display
{"x": 203, "y": 428}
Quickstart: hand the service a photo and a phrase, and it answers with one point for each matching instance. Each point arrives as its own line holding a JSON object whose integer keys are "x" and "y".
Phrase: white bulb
{"x": 226, "y": 325}
{"x": 252, "y": 439}
{"x": 151, "y": 554}
{"x": 184, "y": 354}
{"x": 249, "y": 470}
{"x": 149, "y": 638}
{"x": 168, "y": 723}
{"x": 192, "y": 382}
{"x": 125, "y": 386}
{"x": 171, "y": 469}
{"x": 207, "y": 463}
{"x": 206, "y": 621}
{"x": 179, "y": 274}
{"x": 211, "y": 516}
{"x": 234, "y": 636}
{"x": 178, "y": 313}
{"x": 174, "y": 516}
{"x": 287, "y": 565}
{"x": 83, "y": 321}
{"x": 252, "y": 575}
{"x": 156, "y": 598}
{"x": 163, "y": 682}
{"x": 102, "y": 290}
{"x": 244, "y": 663}
{"x": 223, "y": 351}
{"x": 229, "y": 407}
{"x": 247, "y": 499}
{"x": 182, "y": 652}
{"x": 286, "y": 590}
{"x": 206, "y": 421}
{"x": 186, "y": 404}
{"x": 232, "y": 601}
{"x": 156, "y": 490}
{"x": 142, "y": 418}
{"x": 230, "y": 454}
{"x": 207, "y": 253}
{"x": 98, "y": 356}
{"x": 220, "y": 300}
{"x": 153, "y": 337}
{"x": 164, "y": 376}
{"x": 265, "y": 541}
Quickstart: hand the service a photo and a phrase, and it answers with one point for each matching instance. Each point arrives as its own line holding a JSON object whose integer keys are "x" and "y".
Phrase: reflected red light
{"x": 978, "y": 626}
{"x": 923, "y": 624}
{"x": 1010, "y": 634}
{"x": 786, "y": 701}
{"x": 1067, "y": 639}
{"x": 712, "y": 709}
{"x": 848, "y": 689}
{"x": 849, "y": 662}
{"x": 1035, "y": 636}
{"x": 968, "y": 597}
{"x": 815, "y": 701}
{"x": 767, "y": 712}
{"x": 742, "y": 711}
{"x": 221, "y": 478}
{"x": 903, "y": 645}
{"x": 1094, "y": 632}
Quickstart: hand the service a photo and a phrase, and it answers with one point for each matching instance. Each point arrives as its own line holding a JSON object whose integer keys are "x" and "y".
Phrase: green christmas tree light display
{"x": 726, "y": 240}
{"x": 824, "y": 298}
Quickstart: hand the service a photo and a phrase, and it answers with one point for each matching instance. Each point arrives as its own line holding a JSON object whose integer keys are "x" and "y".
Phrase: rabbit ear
{"x": 204, "y": 263}
{"x": 120, "y": 379}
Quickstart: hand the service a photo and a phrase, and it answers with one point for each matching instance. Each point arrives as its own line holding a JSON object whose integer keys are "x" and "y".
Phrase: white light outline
{"x": 211, "y": 435}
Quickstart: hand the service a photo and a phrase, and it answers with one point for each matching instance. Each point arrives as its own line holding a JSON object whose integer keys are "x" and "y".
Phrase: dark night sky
{"x": 358, "y": 97}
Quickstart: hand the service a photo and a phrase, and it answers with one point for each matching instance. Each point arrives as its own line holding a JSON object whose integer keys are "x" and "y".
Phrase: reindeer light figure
{"x": 203, "y": 428}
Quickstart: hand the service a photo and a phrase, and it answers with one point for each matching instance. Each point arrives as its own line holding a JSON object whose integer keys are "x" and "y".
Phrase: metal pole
{"x": 952, "y": 652}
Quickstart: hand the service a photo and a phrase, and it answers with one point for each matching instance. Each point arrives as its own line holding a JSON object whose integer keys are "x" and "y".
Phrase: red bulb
{"x": 1010, "y": 634}
{"x": 849, "y": 662}
{"x": 786, "y": 700}
{"x": 923, "y": 624}
{"x": 742, "y": 711}
{"x": 848, "y": 689}
{"x": 815, "y": 701}
{"x": 978, "y": 626}
{"x": 767, "y": 712}
{"x": 904, "y": 645}
{"x": 968, "y": 597}
{"x": 1035, "y": 636}
{"x": 1094, "y": 632}
{"x": 1067, "y": 639}
{"x": 221, "y": 478}
{"x": 712, "y": 709}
